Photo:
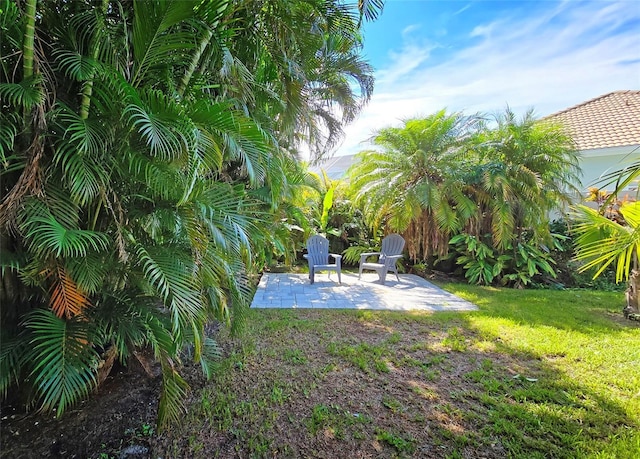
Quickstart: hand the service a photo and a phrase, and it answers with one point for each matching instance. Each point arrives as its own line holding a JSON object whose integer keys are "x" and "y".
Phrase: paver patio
{"x": 411, "y": 293}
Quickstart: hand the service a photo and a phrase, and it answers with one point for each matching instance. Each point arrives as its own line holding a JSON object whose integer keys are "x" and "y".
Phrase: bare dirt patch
{"x": 344, "y": 387}
{"x": 328, "y": 384}
{"x": 120, "y": 417}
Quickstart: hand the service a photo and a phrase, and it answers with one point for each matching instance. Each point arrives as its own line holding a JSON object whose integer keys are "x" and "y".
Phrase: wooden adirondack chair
{"x": 390, "y": 253}
{"x": 318, "y": 257}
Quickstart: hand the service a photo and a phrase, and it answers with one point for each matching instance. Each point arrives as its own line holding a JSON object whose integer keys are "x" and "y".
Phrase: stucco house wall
{"x": 597, "y": 163}
{"x": 606, "y": 131}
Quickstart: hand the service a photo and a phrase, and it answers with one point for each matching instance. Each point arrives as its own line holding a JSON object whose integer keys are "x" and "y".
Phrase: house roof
{"x": 610, "y": 120}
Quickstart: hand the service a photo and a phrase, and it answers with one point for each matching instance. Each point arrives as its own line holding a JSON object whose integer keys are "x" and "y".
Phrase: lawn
{"x": 532, "y": 374}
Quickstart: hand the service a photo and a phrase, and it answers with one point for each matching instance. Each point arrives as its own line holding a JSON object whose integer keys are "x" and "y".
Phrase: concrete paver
{"x": 412, "y": 293}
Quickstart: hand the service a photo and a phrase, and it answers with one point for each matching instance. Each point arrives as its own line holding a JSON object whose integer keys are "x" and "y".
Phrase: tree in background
{"x": 610, "y": 235}
{"x": 147, "y": 148}
{"x": 525, "y": 170}
{"x": 448, "y": 179}
{"x": 412, "y": 182}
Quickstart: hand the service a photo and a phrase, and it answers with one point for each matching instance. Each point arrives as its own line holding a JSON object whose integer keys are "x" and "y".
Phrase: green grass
{"x": 336, "y": 422}
{"x": 532, "y": 374}
{"x": 401, "y": 444}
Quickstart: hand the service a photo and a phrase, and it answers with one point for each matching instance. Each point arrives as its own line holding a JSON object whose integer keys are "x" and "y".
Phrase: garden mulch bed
{"x": 115, "y": 418}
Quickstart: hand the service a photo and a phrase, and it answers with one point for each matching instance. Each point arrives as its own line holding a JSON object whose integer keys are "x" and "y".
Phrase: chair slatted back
{"x": 393, "y": 244}
{"x": 318, "y": 248}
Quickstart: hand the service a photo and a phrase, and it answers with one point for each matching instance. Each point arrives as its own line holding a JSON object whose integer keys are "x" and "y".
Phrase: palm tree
{"x": 302, "y": 75}
{"x": 603, "y": 241}
{"x": 526, "y": 170}
{"x": 135, "y": 182}
{"x": 611, "y": 235}
{"x": 412, "y": 182}
{"x": 131, "y": 205}
{"x": 447, "y": 175}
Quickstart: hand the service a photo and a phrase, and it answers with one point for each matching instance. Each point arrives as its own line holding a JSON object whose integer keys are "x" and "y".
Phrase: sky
{"x": 482, "y": 55}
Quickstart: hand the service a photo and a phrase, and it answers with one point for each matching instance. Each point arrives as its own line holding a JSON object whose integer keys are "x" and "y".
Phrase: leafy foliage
{"x": 479, "y": 260}
{"x": 487, "y": 190}
{"x": 517, "y": 266}
{"x": 351, "y": 255}
{"x": 67, "y": 300}
{"x": 608, "y": 237}
{"x": 63, "y": 364}
{"x": 148, "y": 167}
{"x": 602, "y": 241}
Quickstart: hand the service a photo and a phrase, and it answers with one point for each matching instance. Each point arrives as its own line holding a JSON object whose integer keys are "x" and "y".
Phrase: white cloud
{"x": 570, "y": 53}
{"x": 483, "y": 30}
{"x": 403, "y": 63}
{"x": 462, "y": 10}
{"x": 409, "y": 29}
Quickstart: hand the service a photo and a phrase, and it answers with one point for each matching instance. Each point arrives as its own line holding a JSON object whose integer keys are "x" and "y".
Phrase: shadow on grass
{"x": 362, "y": 383}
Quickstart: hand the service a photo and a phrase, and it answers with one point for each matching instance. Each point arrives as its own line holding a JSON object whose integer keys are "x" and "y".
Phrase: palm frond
{"x": 46, "y": 235}
{"x": 77, "y": 66}
{"x": 79, "y": 155}
{"x": 160, "y": 123}
{"x": 370, "y": 9}
{"x": 67, "y": 300}
{"x": 57, "y": 203}
{"x": 352, "y": 254}
{"x": 12, "y": 352}
{"x": 174, "y": 391}
{"x": 243, "y": 139}
{"x": 152, "y": 44}
{"x": 160, "y": 178}
{"x": 132, "y": 322}
{"x": 171, "y": 276}
{"x": 601, "y": 241}
{"x": 224, "y": 209}
{"x": 9, "y": 127}
{"x": 10, "y": 261}
{"x": 10, "y": 15}
{"x": 502, "y": 224}
{"x": 62, "y": 359}
{"x": 621, "y": 178}
{"x": 210, "y": 352}
{"x": 28, "y": 93}
{"x": 89, "y": 272}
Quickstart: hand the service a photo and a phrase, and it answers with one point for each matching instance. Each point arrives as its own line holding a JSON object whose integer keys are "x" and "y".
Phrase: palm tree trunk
{"x": 29, "y": 38}
{"x": 633, "y": 294}
{"x": 633, "y": 290}
{"x": 87, "y": 88}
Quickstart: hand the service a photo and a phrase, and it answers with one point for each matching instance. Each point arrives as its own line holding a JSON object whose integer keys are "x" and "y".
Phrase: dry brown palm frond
{"x": 66, "y": 299}
{"x": 29, "y": 183}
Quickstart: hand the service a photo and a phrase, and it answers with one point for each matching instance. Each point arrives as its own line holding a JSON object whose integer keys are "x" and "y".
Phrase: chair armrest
{"x": 338, "y": 259}
{"x": 365, "y": 255}
{"x": 392, "y": 259}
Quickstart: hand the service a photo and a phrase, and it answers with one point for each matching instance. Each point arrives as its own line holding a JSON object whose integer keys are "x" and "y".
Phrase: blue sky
{"x": 479, "y": 56}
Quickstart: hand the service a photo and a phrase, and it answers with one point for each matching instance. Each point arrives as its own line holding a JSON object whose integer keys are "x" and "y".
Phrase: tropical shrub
{"x": 148, "y": 165}
{"x": 331, "y": 213}
{"x": 568, "y": 268}
{"x": 603, "y": 241}
{"x": 516, "y": 266}
{"x": 490, "y": 188}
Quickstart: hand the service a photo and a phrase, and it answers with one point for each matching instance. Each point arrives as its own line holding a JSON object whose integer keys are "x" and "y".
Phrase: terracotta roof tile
{"x": 610, "y": 120}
